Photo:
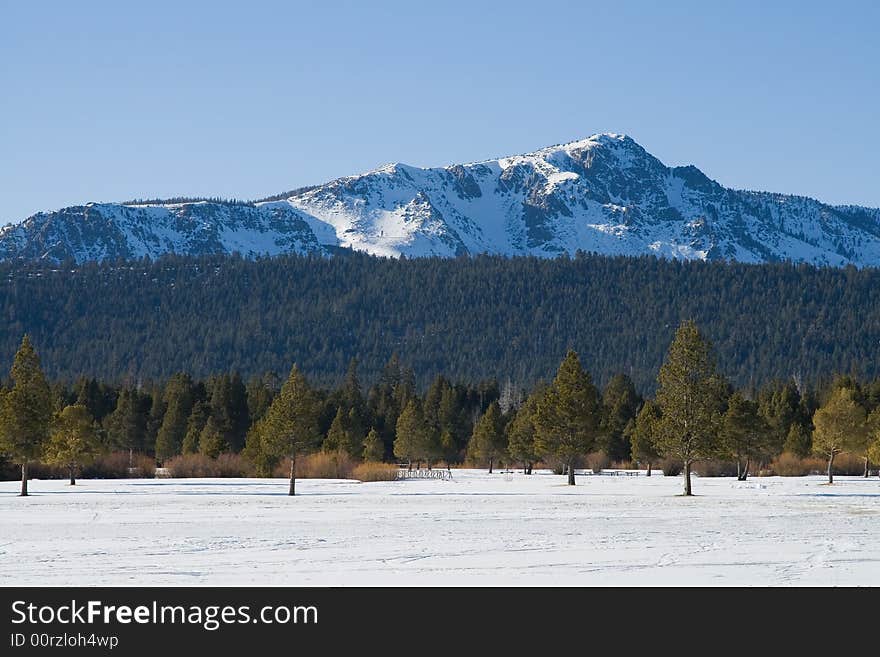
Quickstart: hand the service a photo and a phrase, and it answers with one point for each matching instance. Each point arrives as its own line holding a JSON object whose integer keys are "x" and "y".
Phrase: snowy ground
{"x": 498, "y": 529}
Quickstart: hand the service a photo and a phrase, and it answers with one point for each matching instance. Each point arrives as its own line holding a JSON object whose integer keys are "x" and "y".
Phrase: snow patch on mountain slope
{"x": 604, "y": 194}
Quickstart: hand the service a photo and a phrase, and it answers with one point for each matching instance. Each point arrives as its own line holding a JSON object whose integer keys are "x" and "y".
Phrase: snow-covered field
{"x": 479, "y": 529}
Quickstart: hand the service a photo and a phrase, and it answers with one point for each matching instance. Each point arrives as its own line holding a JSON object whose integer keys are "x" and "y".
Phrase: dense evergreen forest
{"x": 471, "y": 318}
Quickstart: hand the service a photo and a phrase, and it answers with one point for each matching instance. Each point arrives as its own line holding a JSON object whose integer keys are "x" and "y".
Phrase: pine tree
{"x": 74, "y": 440}
{"x": 212, "y": 440}
{"x": 690, "y": 397}
{"x": 99, "y": 398}
{"x": 337, "y": 437}
{"x": 374, "y": 448}
{"x": 840, "y": 424}
{"x": 780, "y": 406}
{"x": 413, "y": 440}
{"x": 239, "y": 413}
{"x": 643, "y": 435}
{"x": 154, "y": 419}
{"x": 621, "y": 403}
{"x": 260, "y": 393}
{"x": 487, "y": 443}
{"x": 799, "y": 441}
{"x": 522, "y": 433}
{"x": 26, "y": 411}
{"x": 289, "y": 427}
{"x": 126, "y": 426}
{"x": 194, "y": 425}
{"x": 448, "y": 449}
{"x": 746, "y": 435}
{"x": 569, "y": 415}
{"x": 179, "y": 403}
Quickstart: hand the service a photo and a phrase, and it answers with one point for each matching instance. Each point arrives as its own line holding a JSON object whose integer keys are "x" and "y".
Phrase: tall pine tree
{"x": 26, "y": 411}
{"x": 690, "y": 397}
{"x": 569, "y": 415}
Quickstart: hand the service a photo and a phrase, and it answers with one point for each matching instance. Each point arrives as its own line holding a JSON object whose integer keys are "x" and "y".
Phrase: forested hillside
{"x": 470, "y": 318}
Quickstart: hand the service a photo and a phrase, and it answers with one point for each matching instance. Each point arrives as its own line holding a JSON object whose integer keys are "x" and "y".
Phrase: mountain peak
{"x": 604, "y": 193}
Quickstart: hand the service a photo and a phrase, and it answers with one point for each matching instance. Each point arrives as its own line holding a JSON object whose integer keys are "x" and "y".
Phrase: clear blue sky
{"x": 108, "y": 101}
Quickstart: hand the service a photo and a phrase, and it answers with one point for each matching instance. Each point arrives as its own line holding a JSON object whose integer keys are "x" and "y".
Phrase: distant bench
{"x": 616, "y": 473}
{"x": 404, "y": 472}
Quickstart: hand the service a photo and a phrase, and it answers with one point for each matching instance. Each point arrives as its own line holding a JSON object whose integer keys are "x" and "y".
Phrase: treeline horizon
{"x": 696, "y": 415}
{"x": 470, "y": 318}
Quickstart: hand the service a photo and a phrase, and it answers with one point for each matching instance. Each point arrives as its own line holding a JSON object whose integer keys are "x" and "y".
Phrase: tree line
{"x": 471, "y": 318}
{"x": 696, "y": 414}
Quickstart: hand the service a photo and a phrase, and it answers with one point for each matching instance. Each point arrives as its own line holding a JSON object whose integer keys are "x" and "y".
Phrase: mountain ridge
{"x": 604, "y": 194}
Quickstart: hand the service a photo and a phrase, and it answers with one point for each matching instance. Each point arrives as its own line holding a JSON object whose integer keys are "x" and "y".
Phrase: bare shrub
{"x": 598, "y": 461}
{"x": 375, "y": 472}
{"x": 322, "y": 465}
{"x": 670, "y": 467}
{"x": 715, "y": 468}
{"x": 120, "y": 465}
{"x": 233, "y": 465}
{"x": 789, "y": 465}
{"x": 188, "y": 466}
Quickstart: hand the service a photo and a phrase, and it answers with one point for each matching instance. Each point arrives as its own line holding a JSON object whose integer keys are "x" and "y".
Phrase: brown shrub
{"x": 186, "y": 466}
{"x": 715, "y": 468}
{"x": 598, "y": 461}
{"x": 375, "y": 472}
{"x": 789, "y": 465}
{"x": 198, "y": 465}
{"x": 234, "y": 465}
{"x": 321, "y": 465}
{"x": 670, "y": 467}
{"x": 116, "y": 466}
{"x": 847, "y": 464}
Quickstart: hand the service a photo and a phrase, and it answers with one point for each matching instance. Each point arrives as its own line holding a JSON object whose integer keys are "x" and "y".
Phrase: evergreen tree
{"x": 839, "y": 424}
{"x": 337, "y": 437}
{"x": 179, "y": 403}
{"x": 448, "y": 449}
{"x": 569, "y": 415}
{"x": 413, "y": 440}
{"x": 289, "y": 427}
{"x": 126, "y": 426}
{"x": 239, "y": 413}
{"x": 74, "y": 440}
{"x": 746, "y": 435}
{"x": 154, "y": 418}
{"x": 487, "y": 444}
{"x": 780, "y": 406}
{"x": 522, "y": 433}
{"x": 260, "y": 393}
{"x": 621, "y": 404}
{"x": 99, "y": 398}
{"x": 212, "y": 440}
{"x": 194, "y": 425}
{"x": 374, "y": 449}
{"x": 26, "y": 411}
{"x": 690, "y": 397}
{"x": 799, "y": 441}
{"x": 643, "y": 435}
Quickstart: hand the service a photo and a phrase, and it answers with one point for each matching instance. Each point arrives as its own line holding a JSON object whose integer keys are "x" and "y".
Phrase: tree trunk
{"x": 490, "y": 466}
{"x": 529, "y": 469}
{"x": 571, "y": 474}
{"x": 746, "y": 471}
{"x": 739, "y": 475}
{"x": 292, "y": 490}
{"x": 687, "y": 478}
{"x": 73, "y": 475}
{"x": 867, "y": 468}
{"x": 649, "y": 468}
{"x": 24, "y": 478}
{"x": 830, "y": 464}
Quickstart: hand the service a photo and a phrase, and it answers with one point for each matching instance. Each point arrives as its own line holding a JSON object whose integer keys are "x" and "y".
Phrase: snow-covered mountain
{"x": 604, "y": 194}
